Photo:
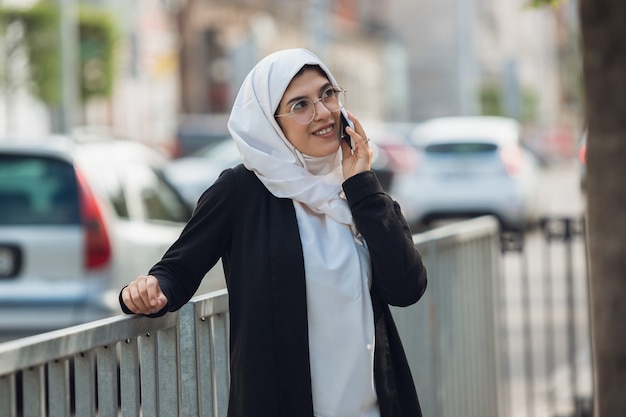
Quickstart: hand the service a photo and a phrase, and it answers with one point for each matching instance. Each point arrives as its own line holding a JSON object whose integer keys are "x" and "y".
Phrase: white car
{"x": 78, "y": 220}
{"x": 194, "y": 173}
{"x": 470, "y": 166}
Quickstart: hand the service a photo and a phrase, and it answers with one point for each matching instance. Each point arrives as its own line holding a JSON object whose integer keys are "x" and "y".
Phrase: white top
{"x": 340, "y": 318}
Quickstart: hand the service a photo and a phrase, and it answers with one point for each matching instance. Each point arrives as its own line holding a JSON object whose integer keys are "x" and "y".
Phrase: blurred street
{"x": 560, "y": 191}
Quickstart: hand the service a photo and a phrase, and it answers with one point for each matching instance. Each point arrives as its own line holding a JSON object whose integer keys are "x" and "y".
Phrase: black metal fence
{"x": 547, "y": 355}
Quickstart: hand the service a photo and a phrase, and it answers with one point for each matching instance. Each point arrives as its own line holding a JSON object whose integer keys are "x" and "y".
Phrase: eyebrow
{"x": 298, "y": 98}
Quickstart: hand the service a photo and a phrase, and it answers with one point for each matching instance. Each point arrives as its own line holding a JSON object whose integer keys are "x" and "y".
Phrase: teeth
{"x": 324, "y": 131}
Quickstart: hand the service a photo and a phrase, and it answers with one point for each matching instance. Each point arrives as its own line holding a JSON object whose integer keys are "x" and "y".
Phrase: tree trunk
{"x": 604, "y": 72}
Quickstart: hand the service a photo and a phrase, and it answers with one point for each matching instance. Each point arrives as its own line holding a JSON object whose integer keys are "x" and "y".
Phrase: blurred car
{"x": 582, "y": 161}
{"x": 392, "y": 138}
{"x": 196, "y": 131}
{"x": 78, "y": 220}
{"x": 470, "y": 166}
{"x": 193, "y": 174}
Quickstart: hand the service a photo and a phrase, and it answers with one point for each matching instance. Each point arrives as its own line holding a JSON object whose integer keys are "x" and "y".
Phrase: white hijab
{"x": 263, "y": 146}
{"x": 336, "y": 259}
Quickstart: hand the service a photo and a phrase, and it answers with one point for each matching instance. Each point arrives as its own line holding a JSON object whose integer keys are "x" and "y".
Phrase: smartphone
{"x": 345, "y": 122}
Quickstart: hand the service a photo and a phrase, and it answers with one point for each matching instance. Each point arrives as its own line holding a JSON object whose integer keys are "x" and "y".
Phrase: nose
{"x": 320, "y": 109}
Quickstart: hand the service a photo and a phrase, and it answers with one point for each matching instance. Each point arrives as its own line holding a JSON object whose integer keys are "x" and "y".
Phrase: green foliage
{"x": 491, "y": 99}
{"x": 97, "y": 43}
{"x": 540, "y": 3}
{"x": 40, "y": 40}
{"x": 530, "y": 105}
{"x": 97, "y": 38}
{"x": 493, "y": 104}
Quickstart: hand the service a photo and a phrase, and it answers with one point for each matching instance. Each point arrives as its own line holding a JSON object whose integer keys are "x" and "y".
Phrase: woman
{"x": 313, "y": 252}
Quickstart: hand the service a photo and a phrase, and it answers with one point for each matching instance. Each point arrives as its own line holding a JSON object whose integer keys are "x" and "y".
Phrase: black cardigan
{"x": 256, "y": 235}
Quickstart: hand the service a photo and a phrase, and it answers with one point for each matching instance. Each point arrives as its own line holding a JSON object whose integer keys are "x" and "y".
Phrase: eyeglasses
{"x": 303, "y": 111}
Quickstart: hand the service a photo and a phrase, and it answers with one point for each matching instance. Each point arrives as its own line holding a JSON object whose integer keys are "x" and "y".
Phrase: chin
{"x": 321, "y": 152}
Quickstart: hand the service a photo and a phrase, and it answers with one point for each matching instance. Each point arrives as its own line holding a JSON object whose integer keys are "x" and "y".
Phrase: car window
{"x": 106, "y": 175}
{"x": 118, "y": 200}
{"x": 160, "y": 201}
{"x": 461, "y": 148}
{"x": 224, "y": 151}
{"x": 37, "y": 190}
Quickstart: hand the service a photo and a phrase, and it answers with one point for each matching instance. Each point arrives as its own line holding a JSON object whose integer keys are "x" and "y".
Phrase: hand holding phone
{"x": 345, "y": 122}
{"x": 359, "y": 158}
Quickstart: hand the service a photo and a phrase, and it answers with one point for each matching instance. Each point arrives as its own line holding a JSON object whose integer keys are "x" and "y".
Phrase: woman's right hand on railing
{"x": 144, "y": 295}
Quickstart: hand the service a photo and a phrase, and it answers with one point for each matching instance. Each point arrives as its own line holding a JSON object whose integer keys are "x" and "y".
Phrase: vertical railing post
{"x": 34, "y": 393}
{"x": 219, "y": 329}
{"x": 148, "y": 374}
{"x": 85, "y": 382}
{"x": 188, "y": 360}
{"x": 106, "y": 365}
{"x": 585, "y": 404}
{"x": 8, "y": 407}
{"x": 59, "y": 388}
{"x": 529, "y": 364}
{"x": 167, "y": 361}
{"x": 571, "y": 308}
{"x": 129, "y": 378}
{"x": 205, "y": 368}
{"x": 548, "y": 305}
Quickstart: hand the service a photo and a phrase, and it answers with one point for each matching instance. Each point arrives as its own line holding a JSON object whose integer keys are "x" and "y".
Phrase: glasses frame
{"x": 337, "y": 89}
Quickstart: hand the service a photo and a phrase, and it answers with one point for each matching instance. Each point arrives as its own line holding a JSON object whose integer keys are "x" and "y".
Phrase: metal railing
{"x": 451, "y": 335}
{"x": 178, "y": 364}
{"x": 132, "y": 364}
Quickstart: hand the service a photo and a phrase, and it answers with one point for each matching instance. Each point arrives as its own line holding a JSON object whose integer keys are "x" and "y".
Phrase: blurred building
{"x": 222, "y": 40}
{"x": 464, "y": 53}
{"x": 401, "y": 60}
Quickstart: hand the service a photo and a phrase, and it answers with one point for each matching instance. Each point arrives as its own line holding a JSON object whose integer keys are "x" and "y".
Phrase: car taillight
{"x": 512, "y": 158}
{"x": 174, "y": 148}
{"x": 97, "y": 244}
{"x": 582, "y": 154}
{"x": 405, "y": 159}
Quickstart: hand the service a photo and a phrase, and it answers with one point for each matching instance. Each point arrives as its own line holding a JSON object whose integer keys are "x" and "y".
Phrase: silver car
{"x": 467, "y": 167}
{"x": 78, "y": 219}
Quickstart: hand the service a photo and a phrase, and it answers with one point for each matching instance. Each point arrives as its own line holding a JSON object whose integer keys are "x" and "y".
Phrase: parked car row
{"x": 443, "y": 168}
{"x": 79, "y": 218}
{"x": 194, "y": 173}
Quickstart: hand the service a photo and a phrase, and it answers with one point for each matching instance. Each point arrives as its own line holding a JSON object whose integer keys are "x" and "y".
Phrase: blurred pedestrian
{"x": 313, "y": 250}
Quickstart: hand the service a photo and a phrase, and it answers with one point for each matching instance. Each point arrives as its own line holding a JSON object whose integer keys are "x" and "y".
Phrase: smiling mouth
{"x": 324, "y": 132}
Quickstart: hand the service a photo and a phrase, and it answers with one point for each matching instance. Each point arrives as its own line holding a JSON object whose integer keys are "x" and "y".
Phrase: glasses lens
{"x": 334, "y": 98}
{"x": 303, "y": 111}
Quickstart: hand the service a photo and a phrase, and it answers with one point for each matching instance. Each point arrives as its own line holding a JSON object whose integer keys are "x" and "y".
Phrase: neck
{"x": 320, "y": 165}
